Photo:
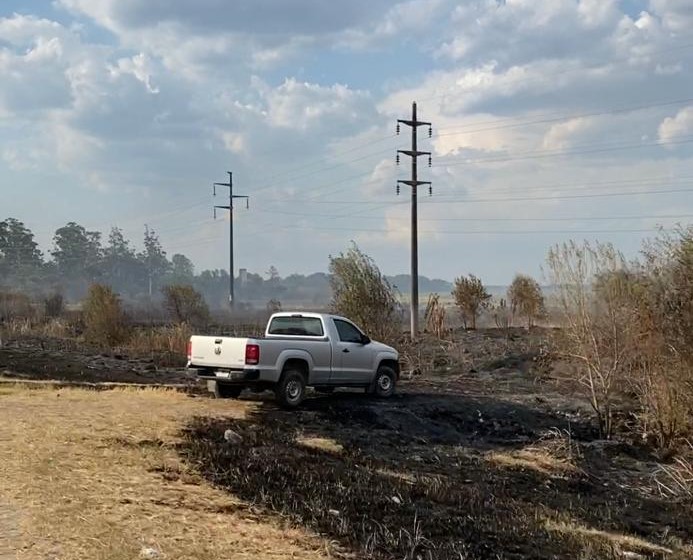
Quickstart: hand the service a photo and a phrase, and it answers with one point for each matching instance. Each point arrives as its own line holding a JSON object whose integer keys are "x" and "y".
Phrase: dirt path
{"x": 95, "y": 474}
{"x": 9, "y": 532}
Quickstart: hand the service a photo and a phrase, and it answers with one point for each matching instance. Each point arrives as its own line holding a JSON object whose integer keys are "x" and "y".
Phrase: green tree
{"x": 77, "y": 256}
{"x": 122, "y": 269}
{"x": 361, "y": 292}
{"x": 154, "y": 259}
{"x": 19, "y": 253}
{"x": 526, "y": 299}
{"x": 471, "y": 297}
{"x": 182, "y": 268}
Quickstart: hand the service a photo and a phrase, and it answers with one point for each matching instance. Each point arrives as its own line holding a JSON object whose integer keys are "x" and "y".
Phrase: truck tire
{"x": 225, "y": 391}
{"x": 291, "y": 389}
{"x": 384, "y": 383}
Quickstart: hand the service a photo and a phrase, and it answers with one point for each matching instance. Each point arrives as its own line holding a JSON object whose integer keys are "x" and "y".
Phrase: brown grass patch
{"x": 96, "y": 475}
{"x": 321, "y": 443}
{"x": 532, "y": 458}
{"x": 617, "y": 541}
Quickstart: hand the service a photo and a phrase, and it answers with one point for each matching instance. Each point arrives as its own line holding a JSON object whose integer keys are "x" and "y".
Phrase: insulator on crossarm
{"x": 397, "y": 159}
{"x": 398, "y": 128}
{"x": 430, "y": 132}
{"x": 215, "y": 213}
{"x": 429, "y": 161}
{"x": 247, "y": 204}
{"x": 397, "y": 189}
{"x": 430, "y": 190}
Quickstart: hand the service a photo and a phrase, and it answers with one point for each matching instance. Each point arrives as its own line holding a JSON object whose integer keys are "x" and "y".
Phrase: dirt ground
{"x": 95, "y": 475}
{"x": 484, "y": 453}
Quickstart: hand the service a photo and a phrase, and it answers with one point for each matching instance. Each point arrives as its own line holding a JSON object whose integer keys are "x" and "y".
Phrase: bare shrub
{"x": 526, "y": 299}
{"x": 164, "y": 344}
{"x": 676, "y": 480}
{"x": 273, "y": 306}
{"x": 54, "y": 305}
{"x": 104, "y": 319}
{"x": 184, "y": 304}
{"x": 14, "y": 306}
{"x": 434, "y": 316}
{"x": 502, "y": 316}
{"x": 471, "y": 297}
{"x": 598, "y": 327}
{"x": 362, "y": 293}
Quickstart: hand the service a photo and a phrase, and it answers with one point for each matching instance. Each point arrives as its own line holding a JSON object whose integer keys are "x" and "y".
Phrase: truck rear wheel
{"x": 384, "y": 382}
{"x": 291, "y": 389}
{"x": 225, "y": 391}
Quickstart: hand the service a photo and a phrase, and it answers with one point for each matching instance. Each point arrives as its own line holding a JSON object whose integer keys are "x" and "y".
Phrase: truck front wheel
{"x": 291, "y": 389}
{"x": 384, "y": 382}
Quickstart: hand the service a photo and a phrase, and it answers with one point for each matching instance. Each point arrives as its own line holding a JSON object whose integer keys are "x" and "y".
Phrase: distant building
{"x": 243, "y": 276}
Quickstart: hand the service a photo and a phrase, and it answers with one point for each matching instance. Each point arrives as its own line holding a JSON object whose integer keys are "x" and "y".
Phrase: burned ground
{"x": 41, "y": 359}
{"x": 433, "y": 474}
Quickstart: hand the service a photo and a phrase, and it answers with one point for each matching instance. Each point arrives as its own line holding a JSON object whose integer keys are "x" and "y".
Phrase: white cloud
{"x": 676, "y": 15}
{"x": 679, "y": 125}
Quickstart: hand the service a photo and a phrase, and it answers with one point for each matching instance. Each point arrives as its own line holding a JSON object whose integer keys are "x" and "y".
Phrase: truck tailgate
{"x": 218, "y": 352}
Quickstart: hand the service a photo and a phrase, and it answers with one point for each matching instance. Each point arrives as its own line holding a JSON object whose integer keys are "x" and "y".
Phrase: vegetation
{"x": 434, "y": 317}
{"x": 526, "y": 299}
{"x": 362, "y": 293}
{"x": 471, "y": 297}
{"x": 104, "y": 318}
{"x": 630, "y": 327}
{"x": 185, "y": 305}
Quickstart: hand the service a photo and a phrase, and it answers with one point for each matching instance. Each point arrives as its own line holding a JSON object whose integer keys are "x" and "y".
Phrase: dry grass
{"x": 321, "y": 443}
{"x": 95, "y": 475}
{"x": 617, "y": 542}
{"x": 532, "y": 458}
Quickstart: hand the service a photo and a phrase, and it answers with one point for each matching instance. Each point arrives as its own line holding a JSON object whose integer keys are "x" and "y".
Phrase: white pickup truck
{"x": 298, "y": 350}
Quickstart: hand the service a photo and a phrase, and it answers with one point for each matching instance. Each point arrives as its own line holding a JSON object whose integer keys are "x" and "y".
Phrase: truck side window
{"x": 347, "y": 331}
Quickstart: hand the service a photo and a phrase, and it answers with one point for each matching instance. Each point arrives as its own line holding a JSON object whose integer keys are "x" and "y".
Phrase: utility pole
{"x": 414, "y": 183}
{"x": 230, "y": 209}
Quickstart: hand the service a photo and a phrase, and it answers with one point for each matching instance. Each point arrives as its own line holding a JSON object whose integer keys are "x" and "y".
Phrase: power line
{"x": 540, "y": 154}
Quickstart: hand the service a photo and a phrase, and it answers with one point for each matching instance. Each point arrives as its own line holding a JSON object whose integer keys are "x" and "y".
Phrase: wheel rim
{"x": 293, "y": 390}
{"x": 384, "y": 382}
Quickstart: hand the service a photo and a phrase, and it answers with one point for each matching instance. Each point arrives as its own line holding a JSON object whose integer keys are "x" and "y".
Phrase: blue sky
{"x": 553, "y": 120}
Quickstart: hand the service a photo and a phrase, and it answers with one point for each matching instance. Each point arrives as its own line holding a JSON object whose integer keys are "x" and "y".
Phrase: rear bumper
{"x": 245, "y": 376}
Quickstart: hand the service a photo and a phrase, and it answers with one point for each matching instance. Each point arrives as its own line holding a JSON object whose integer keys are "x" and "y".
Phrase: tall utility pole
{"x": 230, "y": 209}
{"x": 414, "y": 183}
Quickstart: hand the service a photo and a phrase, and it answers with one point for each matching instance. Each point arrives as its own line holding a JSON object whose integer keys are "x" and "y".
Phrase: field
{"x": 487, "y": 454}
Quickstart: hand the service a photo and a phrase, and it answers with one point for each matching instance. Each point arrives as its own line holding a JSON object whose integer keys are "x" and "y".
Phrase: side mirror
{"x": 365, "y": 340}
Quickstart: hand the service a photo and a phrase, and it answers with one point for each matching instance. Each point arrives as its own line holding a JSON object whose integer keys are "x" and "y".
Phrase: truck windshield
{"x": 299, "y": 326}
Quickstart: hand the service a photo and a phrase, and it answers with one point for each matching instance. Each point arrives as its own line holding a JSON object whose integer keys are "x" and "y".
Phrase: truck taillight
{"x": 252, "y": 354}
{"x": 189, "y": 350}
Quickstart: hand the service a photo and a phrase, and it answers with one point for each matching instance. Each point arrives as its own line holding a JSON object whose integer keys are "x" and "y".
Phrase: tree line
{"x": 80, "y": 258}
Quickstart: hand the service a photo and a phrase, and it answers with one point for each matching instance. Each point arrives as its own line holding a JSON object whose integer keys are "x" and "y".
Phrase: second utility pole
{"x": 230, "y": 209}
{"x": 414, "y": 182}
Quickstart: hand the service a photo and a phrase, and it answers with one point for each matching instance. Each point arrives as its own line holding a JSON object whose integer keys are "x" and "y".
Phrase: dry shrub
{"x": 471, "y": 297}
{"x": 502, "y": 316}
{"x": 185, "y": 304}
{"x": 361, "y": 293}
{"x": 14, "y": 306}
{"x": 434, "y": 317}
{"x": 168, "y": 342}
{"x": 676, "y": 480}
{"x": 104, "y": 319}
{"x": 54, "y": 305}
{"x": 631, "y": 329}
{"x": 597, "y": 327}
{"x": 526, "y": 299}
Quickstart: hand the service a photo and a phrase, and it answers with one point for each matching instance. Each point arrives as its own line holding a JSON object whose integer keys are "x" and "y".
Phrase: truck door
{"x": 353, "y": 359}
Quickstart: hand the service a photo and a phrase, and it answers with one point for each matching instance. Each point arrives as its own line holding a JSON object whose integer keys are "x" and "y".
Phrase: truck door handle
{"x": 346, "y": 350}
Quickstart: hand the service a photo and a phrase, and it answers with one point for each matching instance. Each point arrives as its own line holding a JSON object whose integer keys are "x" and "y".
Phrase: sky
{"x": 552, "y": 120}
